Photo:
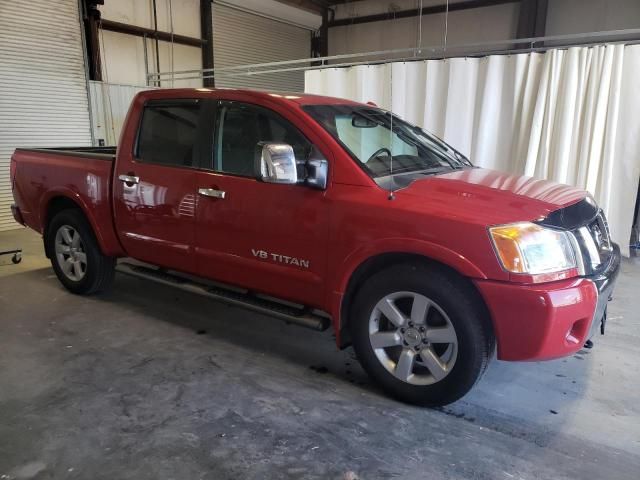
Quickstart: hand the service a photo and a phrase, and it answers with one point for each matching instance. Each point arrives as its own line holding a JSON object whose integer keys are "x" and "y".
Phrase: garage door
{"x": 43, "y": 92}
{"x": 242, "y": 38}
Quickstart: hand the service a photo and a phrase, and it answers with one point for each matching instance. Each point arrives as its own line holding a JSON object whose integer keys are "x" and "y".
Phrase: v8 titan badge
{"x": 279, "y": 258}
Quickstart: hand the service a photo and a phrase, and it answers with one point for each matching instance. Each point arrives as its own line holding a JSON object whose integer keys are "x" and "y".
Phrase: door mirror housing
{"x": 316, "y": 170}
{"x": 276, "y": 163}
{"x": 317, "y": 173}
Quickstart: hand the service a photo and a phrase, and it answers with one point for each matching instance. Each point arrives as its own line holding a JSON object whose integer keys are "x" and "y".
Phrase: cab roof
{"x": 284, "y": 97}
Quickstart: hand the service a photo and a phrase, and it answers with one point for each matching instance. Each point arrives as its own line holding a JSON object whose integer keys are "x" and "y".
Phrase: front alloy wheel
{"x": 413, "y": 338}
{"x": 421, "y": 332}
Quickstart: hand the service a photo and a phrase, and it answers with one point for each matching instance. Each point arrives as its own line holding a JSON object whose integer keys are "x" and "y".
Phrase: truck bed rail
{"x": 97, "y": 153}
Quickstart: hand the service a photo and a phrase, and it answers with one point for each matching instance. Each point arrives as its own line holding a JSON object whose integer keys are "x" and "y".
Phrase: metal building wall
{"x": 242, "y": 38}
{"x": 43, "y": 90}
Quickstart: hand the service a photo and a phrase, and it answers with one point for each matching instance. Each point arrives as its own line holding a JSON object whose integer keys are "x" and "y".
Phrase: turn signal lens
{"x": 532, "y": 249}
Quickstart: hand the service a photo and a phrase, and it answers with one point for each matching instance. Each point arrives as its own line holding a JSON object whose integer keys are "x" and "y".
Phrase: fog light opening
{"x": 575, "y": 333}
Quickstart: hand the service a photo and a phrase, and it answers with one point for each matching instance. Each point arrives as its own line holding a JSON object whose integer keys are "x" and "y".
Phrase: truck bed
{"x": 43, "y": 176}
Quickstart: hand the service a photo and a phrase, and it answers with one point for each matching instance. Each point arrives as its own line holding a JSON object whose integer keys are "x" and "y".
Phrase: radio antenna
{"x": 391, "y": 192}
{"x": 446, "y": 28}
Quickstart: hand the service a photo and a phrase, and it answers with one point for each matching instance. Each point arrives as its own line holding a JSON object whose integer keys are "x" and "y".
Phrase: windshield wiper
{"x": 439, "y": 143}
{"x": 421, "y": 148}
{"x": 370, "y": 117}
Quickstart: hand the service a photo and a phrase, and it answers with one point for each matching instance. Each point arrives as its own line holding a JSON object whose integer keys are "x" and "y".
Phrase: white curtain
{"x": 568, "y": 115}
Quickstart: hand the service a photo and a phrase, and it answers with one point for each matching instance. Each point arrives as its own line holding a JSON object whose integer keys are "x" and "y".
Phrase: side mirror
{"x": 276, "y": 163}
{"x": 317, "y": 172}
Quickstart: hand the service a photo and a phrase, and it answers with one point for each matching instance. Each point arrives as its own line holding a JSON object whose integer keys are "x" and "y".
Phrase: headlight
{"x": 532, "y": 249}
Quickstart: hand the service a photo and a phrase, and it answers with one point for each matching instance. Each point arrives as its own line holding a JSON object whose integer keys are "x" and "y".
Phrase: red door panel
{"x": 154, "y": 188}
{"x": 266, "y": 237}
{"x": 155, "y": 218}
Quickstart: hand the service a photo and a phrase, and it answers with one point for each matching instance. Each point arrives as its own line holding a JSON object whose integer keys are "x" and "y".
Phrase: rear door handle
{"x": 212, "y": 192}
{"x": 129, "y": 179}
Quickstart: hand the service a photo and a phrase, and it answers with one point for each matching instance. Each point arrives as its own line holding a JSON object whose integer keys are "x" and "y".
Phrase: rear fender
{"x": 101, "y": 225}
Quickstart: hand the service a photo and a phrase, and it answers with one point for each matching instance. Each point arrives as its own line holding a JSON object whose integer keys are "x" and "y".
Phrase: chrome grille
{"x": 600, "y": 232}
{"x": 594, "y": 243}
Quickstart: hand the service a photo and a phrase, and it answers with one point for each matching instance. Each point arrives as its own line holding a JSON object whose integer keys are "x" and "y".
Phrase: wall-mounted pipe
{"x": 629, "y": 36}
{"x": 155, "y": 28}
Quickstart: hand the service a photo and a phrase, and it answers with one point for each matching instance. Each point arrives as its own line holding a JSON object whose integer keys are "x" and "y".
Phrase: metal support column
{"x": 532, "y": 20}
{"x": 206, "y": 22}
{"x": 91, "y": 22}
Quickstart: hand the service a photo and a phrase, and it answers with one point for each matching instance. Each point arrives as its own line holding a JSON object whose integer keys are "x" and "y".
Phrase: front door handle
{"x": 212, "y": 192}
{"x": 130, "y": 180}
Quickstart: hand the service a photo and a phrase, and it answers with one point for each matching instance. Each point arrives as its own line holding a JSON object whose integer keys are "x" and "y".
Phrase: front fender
{"x": 426, "y": 249}
{"x": 429, "y": 250}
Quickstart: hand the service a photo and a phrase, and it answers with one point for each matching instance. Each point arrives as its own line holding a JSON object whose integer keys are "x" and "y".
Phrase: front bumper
{"x": 605, "y": 283}
{"x": 548, "y": 320}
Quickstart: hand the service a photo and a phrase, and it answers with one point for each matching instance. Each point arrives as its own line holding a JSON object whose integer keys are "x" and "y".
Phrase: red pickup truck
{"x": 327, "y": 212}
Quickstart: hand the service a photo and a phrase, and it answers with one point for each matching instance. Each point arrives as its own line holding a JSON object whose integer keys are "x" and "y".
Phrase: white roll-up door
{"x": 243, "y": 38}
{"x": 43, "y": 91}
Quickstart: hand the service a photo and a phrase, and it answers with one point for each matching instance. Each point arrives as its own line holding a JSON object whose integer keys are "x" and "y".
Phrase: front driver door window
{"x": 241, "y": 127}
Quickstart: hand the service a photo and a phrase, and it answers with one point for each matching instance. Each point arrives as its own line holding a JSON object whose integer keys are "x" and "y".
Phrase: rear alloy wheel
{"x": 422, "y": 333}
{"x": 70, "y": 253}
{"x": 75, "y": 254}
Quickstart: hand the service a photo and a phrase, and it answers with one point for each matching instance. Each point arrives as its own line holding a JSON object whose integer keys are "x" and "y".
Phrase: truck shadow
{"x": 257, "y": 333}
{"x": 522, "y": 400}
{"x": 509, "y": 396}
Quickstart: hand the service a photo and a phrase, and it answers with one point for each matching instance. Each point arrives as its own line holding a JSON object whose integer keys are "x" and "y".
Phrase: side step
{"x": 290, "y": 314}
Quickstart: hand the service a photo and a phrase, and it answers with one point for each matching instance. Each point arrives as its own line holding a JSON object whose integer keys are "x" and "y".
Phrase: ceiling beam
{"x": 150, "y": 33}
{"x": 308, "y": 5}
{"x": 415, "y": 12}
{"x": 315, "y": 6}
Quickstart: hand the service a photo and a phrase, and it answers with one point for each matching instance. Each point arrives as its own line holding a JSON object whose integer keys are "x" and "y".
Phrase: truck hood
{"x": 492, "y": 197}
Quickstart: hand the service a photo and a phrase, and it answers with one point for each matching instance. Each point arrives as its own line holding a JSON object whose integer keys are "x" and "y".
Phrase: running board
{"x": 299, "y": 316}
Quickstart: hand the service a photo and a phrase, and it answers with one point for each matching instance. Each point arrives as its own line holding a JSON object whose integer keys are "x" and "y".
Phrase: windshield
{"x": 386, "y": 146}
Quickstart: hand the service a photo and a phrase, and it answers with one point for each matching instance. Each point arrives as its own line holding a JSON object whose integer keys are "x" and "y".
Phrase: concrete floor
{"x": 149, "y": 383}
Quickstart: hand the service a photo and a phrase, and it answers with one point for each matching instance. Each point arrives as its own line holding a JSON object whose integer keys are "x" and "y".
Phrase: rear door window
{"x": 169, "y": 133}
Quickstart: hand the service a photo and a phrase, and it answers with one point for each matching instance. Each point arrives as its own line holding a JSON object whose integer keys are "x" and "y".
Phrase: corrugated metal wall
{"x": 109, "y": 106}
{"x": 242, "y": 38}
{"x": 43, "y": 91}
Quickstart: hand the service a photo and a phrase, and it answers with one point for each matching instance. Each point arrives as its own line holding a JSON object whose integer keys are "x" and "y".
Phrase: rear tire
{"x": 75, "y": 255}
{"x": 421, "y": 334}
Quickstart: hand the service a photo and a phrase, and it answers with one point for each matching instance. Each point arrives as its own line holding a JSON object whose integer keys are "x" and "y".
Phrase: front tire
{"x": 75, "y": 255}
{"x": 421, "y": 333}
